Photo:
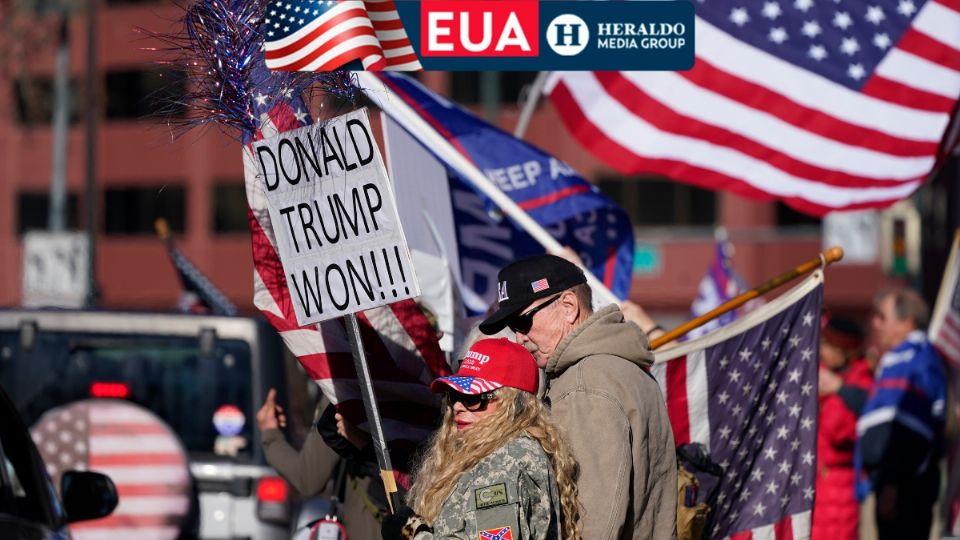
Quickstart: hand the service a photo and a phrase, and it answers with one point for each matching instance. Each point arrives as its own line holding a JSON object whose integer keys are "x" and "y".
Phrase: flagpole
{"x": 829, "y": 256}
{"x": 373, "y": 413}
{"x": 530, "y": 104}
{"x": 386, "y": 99}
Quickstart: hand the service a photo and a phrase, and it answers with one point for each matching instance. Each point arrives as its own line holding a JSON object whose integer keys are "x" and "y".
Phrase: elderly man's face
{"x": 888, "y": 330}
{"x": 549, "y": 325}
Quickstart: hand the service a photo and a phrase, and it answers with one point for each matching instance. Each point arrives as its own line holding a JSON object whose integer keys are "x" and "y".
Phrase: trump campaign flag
{"x": 402, "y": 349}
{"x": 748, "y": 394}
{"x": 720, "y": 284}
{"x": 823, "y": 105}
{"x": 571, "y": 209}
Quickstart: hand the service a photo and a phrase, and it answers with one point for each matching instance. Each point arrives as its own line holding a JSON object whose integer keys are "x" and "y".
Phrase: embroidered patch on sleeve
{"x": 494, "y": 495}
{"x": 500, "y": 533}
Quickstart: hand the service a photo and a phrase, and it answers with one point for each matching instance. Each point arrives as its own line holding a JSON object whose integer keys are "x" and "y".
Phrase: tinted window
{"x": 33, "y": 210}
{"x": 787, "y": 216}
{"x": 33, "y": 97}
{"x": 133, "y": 210}
{"x": 137, "y": 94}
{"x": 169, "y": 375}
{"x": 230, "y": 208}
{"x": 465, "y": 85}
{"x": 658, "y": 201}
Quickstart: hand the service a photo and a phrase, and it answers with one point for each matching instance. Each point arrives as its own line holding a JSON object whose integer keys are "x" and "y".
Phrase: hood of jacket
{"x": 605, "y": 332}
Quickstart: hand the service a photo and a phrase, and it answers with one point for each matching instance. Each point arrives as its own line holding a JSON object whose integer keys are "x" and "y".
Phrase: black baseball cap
{"x": 526, "y": 280}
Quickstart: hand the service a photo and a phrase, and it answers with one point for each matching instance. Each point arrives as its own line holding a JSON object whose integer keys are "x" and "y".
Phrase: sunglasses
{"x": 470, "y": 402}
{"x": 524, "y": 322}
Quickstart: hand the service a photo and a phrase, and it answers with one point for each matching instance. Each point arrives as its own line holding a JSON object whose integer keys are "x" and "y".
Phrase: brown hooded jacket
{"x": 616, "y": 421}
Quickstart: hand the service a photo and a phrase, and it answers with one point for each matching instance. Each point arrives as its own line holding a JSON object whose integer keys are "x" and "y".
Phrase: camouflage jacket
{"x": 510, "y": 494}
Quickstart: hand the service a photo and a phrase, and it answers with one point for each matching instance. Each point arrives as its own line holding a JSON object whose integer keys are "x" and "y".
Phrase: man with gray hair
{"x": 901, "y": 430}
{"x": 600, "y": 393}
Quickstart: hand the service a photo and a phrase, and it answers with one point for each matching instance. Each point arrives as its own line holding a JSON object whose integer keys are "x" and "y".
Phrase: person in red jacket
{"x": 845, "y": 382}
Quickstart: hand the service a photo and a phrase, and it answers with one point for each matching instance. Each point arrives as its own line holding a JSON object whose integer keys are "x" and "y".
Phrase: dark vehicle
{"x": 204, "y": 376}
{"x": 29, "y": 507}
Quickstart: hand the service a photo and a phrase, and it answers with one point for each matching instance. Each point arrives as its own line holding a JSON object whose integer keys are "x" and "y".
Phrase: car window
{"x": 169, "y": 375}
{"x": 25, "y": 488}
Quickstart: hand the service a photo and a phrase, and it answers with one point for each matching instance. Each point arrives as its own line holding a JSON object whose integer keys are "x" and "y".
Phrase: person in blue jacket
{"x": 901, "y": 430}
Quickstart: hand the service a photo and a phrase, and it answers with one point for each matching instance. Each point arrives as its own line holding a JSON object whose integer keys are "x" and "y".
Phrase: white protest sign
{"x": 333, "y": 214}
{"x": 55, "y": 271}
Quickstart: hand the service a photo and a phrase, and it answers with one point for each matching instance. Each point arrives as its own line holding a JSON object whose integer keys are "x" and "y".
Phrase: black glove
{"x": 404, "y": 524}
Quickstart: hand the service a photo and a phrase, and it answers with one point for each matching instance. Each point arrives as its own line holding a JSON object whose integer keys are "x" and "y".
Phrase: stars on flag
{"x": 755, "y": 415}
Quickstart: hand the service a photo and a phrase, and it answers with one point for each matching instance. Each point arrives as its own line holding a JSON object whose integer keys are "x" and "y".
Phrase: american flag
{"x": 136, "y": 450}
{"x": 945, "y": 323}
{"x": 323, "y": 35}
{"x": 539, "y": 285}
{"x": 473, "y": 385}
{"x": 403, "y": 353}
{"x": 825, "y": 105}
{"x": 748, "y": 393}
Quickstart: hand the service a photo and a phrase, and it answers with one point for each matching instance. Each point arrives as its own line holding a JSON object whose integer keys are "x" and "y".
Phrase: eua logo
{"x": 568, "y": 35}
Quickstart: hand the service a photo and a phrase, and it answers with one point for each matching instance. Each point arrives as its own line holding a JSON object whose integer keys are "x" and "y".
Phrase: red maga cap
{"x": 491, "y": 364}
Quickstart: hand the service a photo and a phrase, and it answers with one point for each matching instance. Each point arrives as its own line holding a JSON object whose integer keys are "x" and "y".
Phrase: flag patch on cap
{"x": 540, "y": 285}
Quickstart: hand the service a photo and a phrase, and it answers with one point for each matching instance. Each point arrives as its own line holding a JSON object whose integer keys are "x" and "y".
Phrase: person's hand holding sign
{"x": 270, "y": 415}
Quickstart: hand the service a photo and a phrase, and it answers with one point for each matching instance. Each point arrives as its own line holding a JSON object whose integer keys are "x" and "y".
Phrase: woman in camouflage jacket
{"x": 497, "y": 468}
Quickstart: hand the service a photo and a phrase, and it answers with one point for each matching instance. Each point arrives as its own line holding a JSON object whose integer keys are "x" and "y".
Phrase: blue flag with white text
{"x": 570, "y": 208}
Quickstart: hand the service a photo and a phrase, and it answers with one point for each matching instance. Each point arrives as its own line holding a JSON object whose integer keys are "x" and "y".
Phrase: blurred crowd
{"x": 882, "y": 392}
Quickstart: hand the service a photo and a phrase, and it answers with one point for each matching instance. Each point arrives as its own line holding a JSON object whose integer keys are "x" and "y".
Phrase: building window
{"x": 465, "y": 85}
{"x": 134, "y": 210}
{"x": 34, "y": 97}
{"x": 230, "y": 208}
{"x": 657, "y": 201}
{"x": 130, "y": 2}
{"x": 141, "y": 93}
{"x": 33, "y": 209}
{"x": 788, "y": 217}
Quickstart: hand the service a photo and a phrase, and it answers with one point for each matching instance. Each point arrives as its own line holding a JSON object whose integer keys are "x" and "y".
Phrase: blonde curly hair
{"x": 452, "y": 453}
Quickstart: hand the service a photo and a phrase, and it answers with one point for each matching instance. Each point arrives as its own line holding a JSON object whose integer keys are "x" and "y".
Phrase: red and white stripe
{"x": 794, "y": 527}
{"x": 401, "y": 348}
{"x": 482, "y": 386}
{"x": 393, "y": 38}
{"x": 947, "y": 339}
{"x": 683, "y": 382}
{"x": 342, "y": 34}
{"x": 137, "y": 450}
{"x": 747, "y": 121}
{"x": 944, "y": 331}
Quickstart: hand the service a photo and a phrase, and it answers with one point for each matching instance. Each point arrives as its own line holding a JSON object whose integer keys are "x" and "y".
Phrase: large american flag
{"x": 945, "y": 323}
{"x": 132, "y": 446}
{"x": 824, "y": 105}
{"x": 323, "y": 35}
{"x": 402, "y": 349}
{"x": 748, "y": 393}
